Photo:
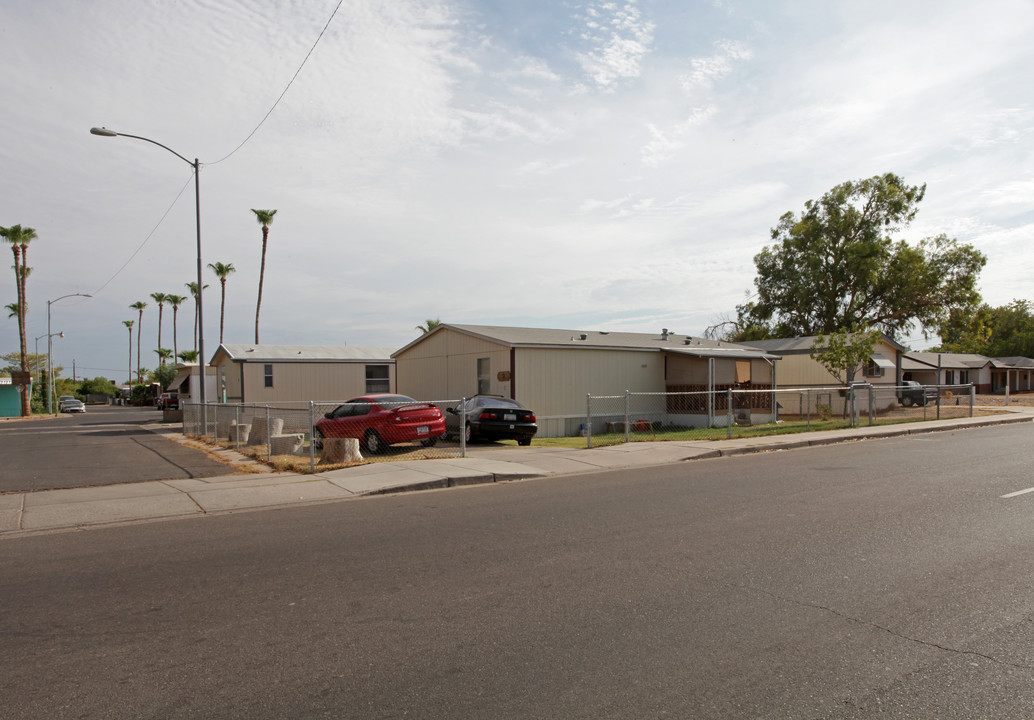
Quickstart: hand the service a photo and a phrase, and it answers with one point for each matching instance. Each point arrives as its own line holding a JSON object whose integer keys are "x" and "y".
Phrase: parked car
{"x": 71, "y": 405}
{"x": 168, "y": 401}
{"x": 912, "y": 393}
{"x": 492, "y": 417}
{"x": 378, "y": 421}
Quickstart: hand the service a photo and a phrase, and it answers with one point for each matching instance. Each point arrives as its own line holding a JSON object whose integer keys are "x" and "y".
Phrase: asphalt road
{"x": 878, "y": 579}
{"x": 104, "y": 446}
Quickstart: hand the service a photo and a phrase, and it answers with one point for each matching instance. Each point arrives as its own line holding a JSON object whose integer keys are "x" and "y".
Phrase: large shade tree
{"x": 840, "y": 265}
{"x": 265, "y": 219}
{"x": 222, "y": 271}
{"x": 19, "y": 237}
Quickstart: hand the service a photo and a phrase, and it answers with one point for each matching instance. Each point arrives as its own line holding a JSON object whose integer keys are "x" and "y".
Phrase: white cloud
{"x": 619, "y": 39}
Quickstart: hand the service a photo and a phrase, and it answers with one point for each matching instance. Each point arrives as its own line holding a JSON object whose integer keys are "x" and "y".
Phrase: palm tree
{"x": 431, "y": 325}
{"x": 192, "y": 286}
{"x": 164, "y": 354}
{"x": 20, "y": 238}
{"x": 129, "y": 326}
{"x": 188, "y": 356}
{"x": 12, "y": 310}
{"x": 139, "y": 306}
{"x": 160, "y": 298}
{"x": 221, "y": 271}
{"x": 175, "y": 301}
{"x": 265, "y": 219}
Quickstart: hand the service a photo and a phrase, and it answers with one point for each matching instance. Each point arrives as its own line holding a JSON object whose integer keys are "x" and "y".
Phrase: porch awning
{"x": 180, "y": 377}
{"x": 883, "y": 362}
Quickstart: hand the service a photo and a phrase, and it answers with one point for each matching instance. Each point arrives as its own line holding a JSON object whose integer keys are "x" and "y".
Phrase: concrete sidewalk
{"x": 53, "y": 510}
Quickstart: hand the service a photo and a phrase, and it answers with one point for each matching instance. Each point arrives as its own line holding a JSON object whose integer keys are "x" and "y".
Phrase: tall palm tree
{"x": 192, "y": 286}
{"x": 20, "y": 238}
{"x": 175, "y": 301}
{"x": 160, "y": 298}
{"x": 430, "y": 325}
{"x": 188, "y": 356}
{"x": 139, "y": 306}
{"x": 164, "y": 354}
{"x": 265, "y": 219}
{"x": 12, "y": 310}
{"x": 222, "y": 271}
{"x": 129, "y": 326}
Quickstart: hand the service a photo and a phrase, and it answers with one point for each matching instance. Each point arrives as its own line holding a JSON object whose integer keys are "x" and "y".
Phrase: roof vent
{"x": 583, "y": 336}
{"x": 664, "y": 334}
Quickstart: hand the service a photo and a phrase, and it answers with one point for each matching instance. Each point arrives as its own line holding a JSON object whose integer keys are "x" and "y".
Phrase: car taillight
{"x": 530, "y": 417}
{"x": 488, "y": 416}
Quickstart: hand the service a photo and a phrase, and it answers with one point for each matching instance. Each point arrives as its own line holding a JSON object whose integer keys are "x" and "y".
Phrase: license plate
{"x": 509, "y": 416}
{"x": 423, "y": 430}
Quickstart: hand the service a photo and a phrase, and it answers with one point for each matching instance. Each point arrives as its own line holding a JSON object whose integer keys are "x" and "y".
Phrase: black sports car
{"x": 492, "y": 417}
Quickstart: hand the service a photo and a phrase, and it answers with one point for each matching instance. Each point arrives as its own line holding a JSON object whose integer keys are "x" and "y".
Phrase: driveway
{"x": 107, "y": 445}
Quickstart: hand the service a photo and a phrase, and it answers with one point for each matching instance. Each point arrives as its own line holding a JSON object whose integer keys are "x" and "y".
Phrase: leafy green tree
{"x": 1004, "y": 331}
{"x": 19, "y": 238}
{"x": 429, "y": 325}
{"x": 838, "y": 266}
{"x": 222, "y": 271}
{"x": 175, "y": 301}
{"x": 161, "y": 299}
{"x": 163, "y": 375}
{"x": 265, "y": 219}
{"x": 139, "y": 306}
{"x": 844, "y": 353}
{"x": 98, "y": 386}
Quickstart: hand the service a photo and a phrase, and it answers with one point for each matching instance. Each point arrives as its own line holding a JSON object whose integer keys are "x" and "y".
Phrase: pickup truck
{"x": 168, "y": 401}
{"x": 912, "y": 393}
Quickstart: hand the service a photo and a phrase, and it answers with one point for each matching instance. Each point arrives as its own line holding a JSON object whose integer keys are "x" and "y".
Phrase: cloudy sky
{"x": 574, "y": 164}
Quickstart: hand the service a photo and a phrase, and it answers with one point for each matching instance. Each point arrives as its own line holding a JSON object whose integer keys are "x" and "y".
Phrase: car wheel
{"x": 430, "y": 442}
{"x": 374, "y": 443}
{"x": 468, "y": 434}
{"x": 906, "y": 401}
{"x": 317, "y": 438}
{"x": 524, "y": 442}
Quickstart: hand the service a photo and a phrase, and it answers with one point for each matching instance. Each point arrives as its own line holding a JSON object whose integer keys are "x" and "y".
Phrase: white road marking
{"x": 1018, "y": 492}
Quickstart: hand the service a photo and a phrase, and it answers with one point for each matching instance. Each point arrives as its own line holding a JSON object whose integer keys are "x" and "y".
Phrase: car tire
{"x": 374, "y": 443}
{"x": 906, "y": 401}
{"x": 524, "y": 442}
{"x": 468, "y": 433}
{"x": 317, "y": 438}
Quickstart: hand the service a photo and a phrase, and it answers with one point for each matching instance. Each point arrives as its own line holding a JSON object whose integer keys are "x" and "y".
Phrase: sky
{"x": 583, "y": 165}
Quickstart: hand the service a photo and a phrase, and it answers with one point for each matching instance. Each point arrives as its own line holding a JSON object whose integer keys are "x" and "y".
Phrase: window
{"x": 963, "y": 377}
{"x": 873, "y": 370}
{"x": 378, "y": 379}
{"x": 484, "y": 376}
{"x": 743, "y": 372}
{"x": 269, "y": 375}
{"x": 949, "y": 377}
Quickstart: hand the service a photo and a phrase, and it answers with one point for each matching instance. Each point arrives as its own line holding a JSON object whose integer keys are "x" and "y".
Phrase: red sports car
{"x": 378, "y": 421}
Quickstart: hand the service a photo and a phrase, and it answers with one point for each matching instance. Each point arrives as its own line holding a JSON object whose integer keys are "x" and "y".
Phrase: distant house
{"x": 1018, "y": 374}
{"x": 283, "y": 373}
{"x": 553, "y": 371}
{"x": 187, "y": 384}
{"x": 931, "y": 368}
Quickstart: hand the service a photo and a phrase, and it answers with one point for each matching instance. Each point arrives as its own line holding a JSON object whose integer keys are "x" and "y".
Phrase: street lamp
{"x": 50, "y": 350}
{"x": 36, "y": 362}
{"x": 104, "y": 132}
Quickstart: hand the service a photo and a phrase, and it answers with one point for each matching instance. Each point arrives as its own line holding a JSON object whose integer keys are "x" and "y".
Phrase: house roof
{"x": 800, "y": 345}
{"x": 302, "y": 353}
{"x": 1016, "y": 361}
{"x": 949, "y": 361}
{"x": 601, "y": 340}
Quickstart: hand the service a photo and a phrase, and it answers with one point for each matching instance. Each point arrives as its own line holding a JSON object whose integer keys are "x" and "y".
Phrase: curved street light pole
{"x": 104, "y": 132}
{"x": 50, "y": 351}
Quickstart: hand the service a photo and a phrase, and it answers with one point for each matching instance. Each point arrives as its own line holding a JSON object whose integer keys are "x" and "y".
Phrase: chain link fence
{"x": 306, "y": 435}
{"x": 730, "y": 412}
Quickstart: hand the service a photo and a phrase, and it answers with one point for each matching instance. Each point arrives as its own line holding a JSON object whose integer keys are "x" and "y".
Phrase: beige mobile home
{"x": 285, "y": 373}
{"x": 553, "y": 371}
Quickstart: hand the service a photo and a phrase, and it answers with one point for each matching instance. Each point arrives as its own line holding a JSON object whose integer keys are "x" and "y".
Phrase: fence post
{"x": 809, "y": 408}
{"x": 269, "y": 443}
{"x": 237, "y": 413}
{"x": 872, "y": 405}
{"x": 938, "y": 402}
{"x": 972, "y": 398}
{"x": 628, "y": 417}
{"x": 463, "y": 427}
{"x": 312, "y": 436}
{"x": 588, "y": 420}
{"x": 728, "y": 411}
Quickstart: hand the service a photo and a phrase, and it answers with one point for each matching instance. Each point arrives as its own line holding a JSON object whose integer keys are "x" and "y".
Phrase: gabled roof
{"x": 801, "y": 345}
{"x": 302, "y": 353}
{"x": 1016, "y": 361}
{"x": 599, "y": 340}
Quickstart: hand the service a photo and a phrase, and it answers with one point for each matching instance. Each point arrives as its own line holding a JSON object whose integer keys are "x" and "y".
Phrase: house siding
{"x": 444, "y": 366}
{"x": 297, "y": 381}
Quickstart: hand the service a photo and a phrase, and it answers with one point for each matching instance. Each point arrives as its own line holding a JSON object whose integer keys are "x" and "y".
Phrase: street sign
{"x": 21, "y": 378}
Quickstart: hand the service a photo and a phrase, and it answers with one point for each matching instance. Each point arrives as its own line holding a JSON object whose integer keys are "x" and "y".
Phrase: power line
{"x": 291, "y": 82}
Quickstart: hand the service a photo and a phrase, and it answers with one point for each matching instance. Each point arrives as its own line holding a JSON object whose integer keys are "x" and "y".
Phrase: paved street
{"x": 104, "y": 446}
{"x": 887, "y": 578}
